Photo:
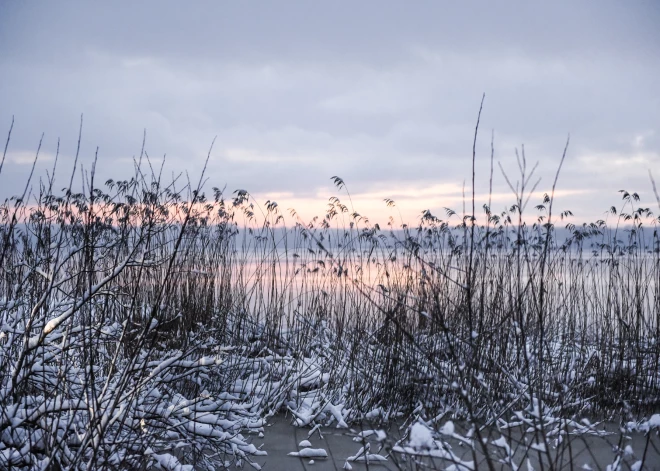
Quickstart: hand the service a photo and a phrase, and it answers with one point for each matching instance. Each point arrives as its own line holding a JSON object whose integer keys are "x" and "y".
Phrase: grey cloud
{"x": 380, "y": 93}
{"x": 371, "y": 31}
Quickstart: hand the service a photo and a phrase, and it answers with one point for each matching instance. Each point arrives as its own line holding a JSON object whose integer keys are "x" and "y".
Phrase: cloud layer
{"x": 381, "y": 93}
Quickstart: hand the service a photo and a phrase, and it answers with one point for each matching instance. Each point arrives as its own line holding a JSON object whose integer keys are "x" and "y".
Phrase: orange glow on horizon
{"x": 409, "y": 203}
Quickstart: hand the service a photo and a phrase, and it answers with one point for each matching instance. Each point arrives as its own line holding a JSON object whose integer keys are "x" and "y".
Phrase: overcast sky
{"x": 384, "y": 94}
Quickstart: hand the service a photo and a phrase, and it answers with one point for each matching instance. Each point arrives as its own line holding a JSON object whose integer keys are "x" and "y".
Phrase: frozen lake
{"x": 281, "y": 438}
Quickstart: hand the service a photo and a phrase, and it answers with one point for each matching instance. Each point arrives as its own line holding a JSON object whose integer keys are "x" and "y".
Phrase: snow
{"x": 441, "y": 453}
{"x": 374, "y": 414}
{"x": 316, "y": 428}
{"x": 169, "y": 462}
{"x": 654, "y": 421}
{"x": 369, "y": 458}
{"x": 448, "y": 429}
{"x": 420, "y": 437}
{"x": 263, "y": 382}
{"x": 379, "y": 435}
{"x": 645, "y": 426}
{"x": 310, "y": 453}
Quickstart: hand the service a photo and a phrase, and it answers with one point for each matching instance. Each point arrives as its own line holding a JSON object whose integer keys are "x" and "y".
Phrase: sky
{"x": 384, "y": 94}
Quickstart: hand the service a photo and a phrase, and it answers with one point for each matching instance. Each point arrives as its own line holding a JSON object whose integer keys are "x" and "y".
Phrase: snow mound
{"x": 310, "y": 453}
{"x": 421, "y": 437}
